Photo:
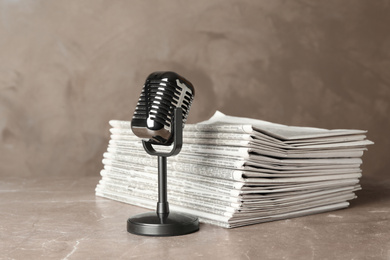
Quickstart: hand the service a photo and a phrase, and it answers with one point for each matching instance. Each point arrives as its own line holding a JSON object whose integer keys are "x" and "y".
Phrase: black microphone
{"x": 158, "y": 119}
{"x": 162, "y": 93}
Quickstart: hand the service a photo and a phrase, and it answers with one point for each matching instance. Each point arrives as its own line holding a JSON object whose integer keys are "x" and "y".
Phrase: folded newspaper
{"x": 235, "y": 171}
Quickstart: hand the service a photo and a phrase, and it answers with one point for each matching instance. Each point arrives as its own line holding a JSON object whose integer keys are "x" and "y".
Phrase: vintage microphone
{"x": 158, "y": 119}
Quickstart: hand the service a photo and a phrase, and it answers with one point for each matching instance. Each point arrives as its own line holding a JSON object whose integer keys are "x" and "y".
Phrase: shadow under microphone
{"x": 159, "y": 119}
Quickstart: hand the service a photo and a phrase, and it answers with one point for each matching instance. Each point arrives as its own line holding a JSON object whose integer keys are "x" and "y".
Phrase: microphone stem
{"x": 162, "y": 205}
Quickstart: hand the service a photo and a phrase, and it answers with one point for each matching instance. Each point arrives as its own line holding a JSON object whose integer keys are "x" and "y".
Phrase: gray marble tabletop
{"x": 63, "y": 219}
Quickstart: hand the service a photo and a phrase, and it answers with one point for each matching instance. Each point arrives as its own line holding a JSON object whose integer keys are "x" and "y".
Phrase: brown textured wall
{"x": 67, "y": 67}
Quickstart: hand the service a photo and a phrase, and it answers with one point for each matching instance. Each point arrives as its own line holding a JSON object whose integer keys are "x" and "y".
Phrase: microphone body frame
{"x": 163, "y": 205}
{"x": 163, "y": 222}
{"x": 177, "y": 137}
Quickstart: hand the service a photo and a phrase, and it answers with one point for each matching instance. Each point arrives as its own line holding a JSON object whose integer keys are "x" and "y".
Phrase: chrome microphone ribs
{"x": 161, "y": 94}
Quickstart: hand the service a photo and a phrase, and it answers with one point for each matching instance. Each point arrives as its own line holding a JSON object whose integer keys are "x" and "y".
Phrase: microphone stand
{"x": 163, "y": 222}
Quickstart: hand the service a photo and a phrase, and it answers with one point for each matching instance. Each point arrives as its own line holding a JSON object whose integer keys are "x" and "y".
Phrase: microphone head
{"x": 162, "y": 93}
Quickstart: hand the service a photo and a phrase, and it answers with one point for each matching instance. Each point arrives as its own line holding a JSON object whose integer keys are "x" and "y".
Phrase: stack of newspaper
{"x": 235, "y": 171}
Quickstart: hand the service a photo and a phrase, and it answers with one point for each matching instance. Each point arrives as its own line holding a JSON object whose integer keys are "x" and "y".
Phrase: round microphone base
{"x": 173, "y": 224}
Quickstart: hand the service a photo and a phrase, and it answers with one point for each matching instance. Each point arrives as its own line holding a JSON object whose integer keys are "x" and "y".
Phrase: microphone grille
{"x": 161, "y": 94}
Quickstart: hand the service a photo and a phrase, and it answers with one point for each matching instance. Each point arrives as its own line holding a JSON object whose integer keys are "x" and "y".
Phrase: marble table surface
{"x": 61, "y": 218}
